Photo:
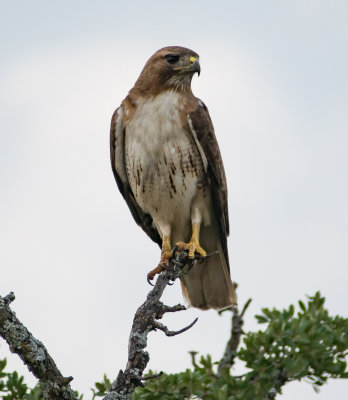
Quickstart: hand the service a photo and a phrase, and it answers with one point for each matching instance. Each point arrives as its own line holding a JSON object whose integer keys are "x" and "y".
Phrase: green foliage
{"x": 12, "y": 386}
{"x": 311, "y": 344}
{"x": 308, "y": 345}
{"x": 101, "y": 388}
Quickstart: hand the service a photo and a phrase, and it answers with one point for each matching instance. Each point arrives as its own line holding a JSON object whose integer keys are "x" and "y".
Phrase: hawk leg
{"x": 166, "y": 255}
{"x": 193, "y": 246}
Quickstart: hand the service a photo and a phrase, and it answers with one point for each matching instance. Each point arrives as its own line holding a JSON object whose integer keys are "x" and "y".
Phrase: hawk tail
{"x": 208, "y": 285}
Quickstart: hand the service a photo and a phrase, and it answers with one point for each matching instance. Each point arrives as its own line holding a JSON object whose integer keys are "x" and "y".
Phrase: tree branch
{"x": 56, "y": 387}
{"x": 279, "y": 381}
{"x": 232, "y": 345}
{"x": 145, "y": 321}
{"x": 33, "y": 353}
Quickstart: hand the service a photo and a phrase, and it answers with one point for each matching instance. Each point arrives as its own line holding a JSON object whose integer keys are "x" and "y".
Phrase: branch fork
{"x": 57, "y": 387}
{"x": 145, "y": 321}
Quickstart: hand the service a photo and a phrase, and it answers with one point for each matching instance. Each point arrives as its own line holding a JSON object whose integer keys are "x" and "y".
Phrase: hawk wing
{"x": 117, "y": 135}
{"x": 203, "y": 132}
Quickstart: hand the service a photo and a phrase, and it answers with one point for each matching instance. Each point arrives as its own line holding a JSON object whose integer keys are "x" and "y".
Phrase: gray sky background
{"x": 274, "y": 76}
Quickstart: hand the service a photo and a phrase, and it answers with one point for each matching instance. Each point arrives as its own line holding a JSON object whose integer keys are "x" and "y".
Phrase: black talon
{"x": 149, "y": 282}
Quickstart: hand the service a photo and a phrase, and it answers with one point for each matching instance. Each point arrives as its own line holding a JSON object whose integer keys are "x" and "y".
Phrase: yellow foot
{"x": 166, "y": 255}
{"x": 193, "y": 247}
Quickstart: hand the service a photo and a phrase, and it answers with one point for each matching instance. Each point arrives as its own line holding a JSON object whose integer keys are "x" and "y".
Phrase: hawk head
{"x": 169, "y": 68}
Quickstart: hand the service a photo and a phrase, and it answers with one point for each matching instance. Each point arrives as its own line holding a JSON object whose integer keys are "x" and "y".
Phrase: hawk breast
{"x": 163, "y": 163}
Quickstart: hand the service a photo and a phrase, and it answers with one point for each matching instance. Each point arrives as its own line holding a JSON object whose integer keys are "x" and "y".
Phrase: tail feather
{"x": 209, "y": 285}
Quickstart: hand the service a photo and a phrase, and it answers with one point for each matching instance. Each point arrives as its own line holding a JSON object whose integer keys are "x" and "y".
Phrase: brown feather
{"x": 209, "y": 285}
{"x": 142, "y": 219}
{"x": 204, "y": 130}
{"x": 156, "y": 74}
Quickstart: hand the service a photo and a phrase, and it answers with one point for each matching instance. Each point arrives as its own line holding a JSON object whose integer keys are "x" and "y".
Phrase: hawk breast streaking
{"x": 168, "y": 167}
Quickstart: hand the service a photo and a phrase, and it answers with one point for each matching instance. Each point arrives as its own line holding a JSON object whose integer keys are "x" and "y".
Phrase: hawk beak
{"x": 192, "y": 67}
{"x": 195, "y": 67}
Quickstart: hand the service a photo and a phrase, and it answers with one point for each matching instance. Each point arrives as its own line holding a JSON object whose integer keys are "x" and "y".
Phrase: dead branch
{"x": 145, "y": 321}
{"x": 33, "y": 353}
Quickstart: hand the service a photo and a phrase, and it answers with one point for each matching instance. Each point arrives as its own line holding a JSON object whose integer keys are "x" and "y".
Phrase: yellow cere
{"x": 193, "y": 59}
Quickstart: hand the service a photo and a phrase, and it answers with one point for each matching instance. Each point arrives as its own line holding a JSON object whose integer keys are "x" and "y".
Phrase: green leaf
{"x": 302, "y": 306}
{"x": 261, "y": 319}
{"x": 291, "y": 310}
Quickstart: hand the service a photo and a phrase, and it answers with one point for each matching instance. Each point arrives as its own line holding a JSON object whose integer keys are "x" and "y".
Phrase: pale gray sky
{"x": 274, "y": 76}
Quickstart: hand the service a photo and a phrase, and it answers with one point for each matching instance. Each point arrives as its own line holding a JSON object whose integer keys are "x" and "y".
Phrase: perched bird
{"x": 168, "y": 167}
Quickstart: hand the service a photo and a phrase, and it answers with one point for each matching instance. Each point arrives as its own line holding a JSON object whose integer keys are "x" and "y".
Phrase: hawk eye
{"x": 172, "y": 58}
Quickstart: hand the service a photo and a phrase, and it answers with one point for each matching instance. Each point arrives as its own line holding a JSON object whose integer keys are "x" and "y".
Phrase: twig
{"x": 9, "y": 298}
{"x": 279, "y": 381}
{"x": 163, "y": 328}
{"x": 232, "y": 345}
{"x": 193, "y": 358}
{"x": 145, "y": 321}
{"x": 154, "y": 376}
{"x": 164, "y": 309}
{"x": 34, "y": 354}
{"x": 246, "y": 305}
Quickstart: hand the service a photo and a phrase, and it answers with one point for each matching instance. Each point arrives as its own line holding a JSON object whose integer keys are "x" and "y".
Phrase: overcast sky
{"x": 274, "y": 77}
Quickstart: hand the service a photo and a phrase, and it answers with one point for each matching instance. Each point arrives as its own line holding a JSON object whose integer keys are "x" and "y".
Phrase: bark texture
{"x": 34, "y": 354}
{"x": 227, "y": 360}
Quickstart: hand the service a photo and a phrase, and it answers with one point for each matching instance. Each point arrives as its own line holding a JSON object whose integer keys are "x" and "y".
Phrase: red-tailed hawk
{"x": 168, "y": 167}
